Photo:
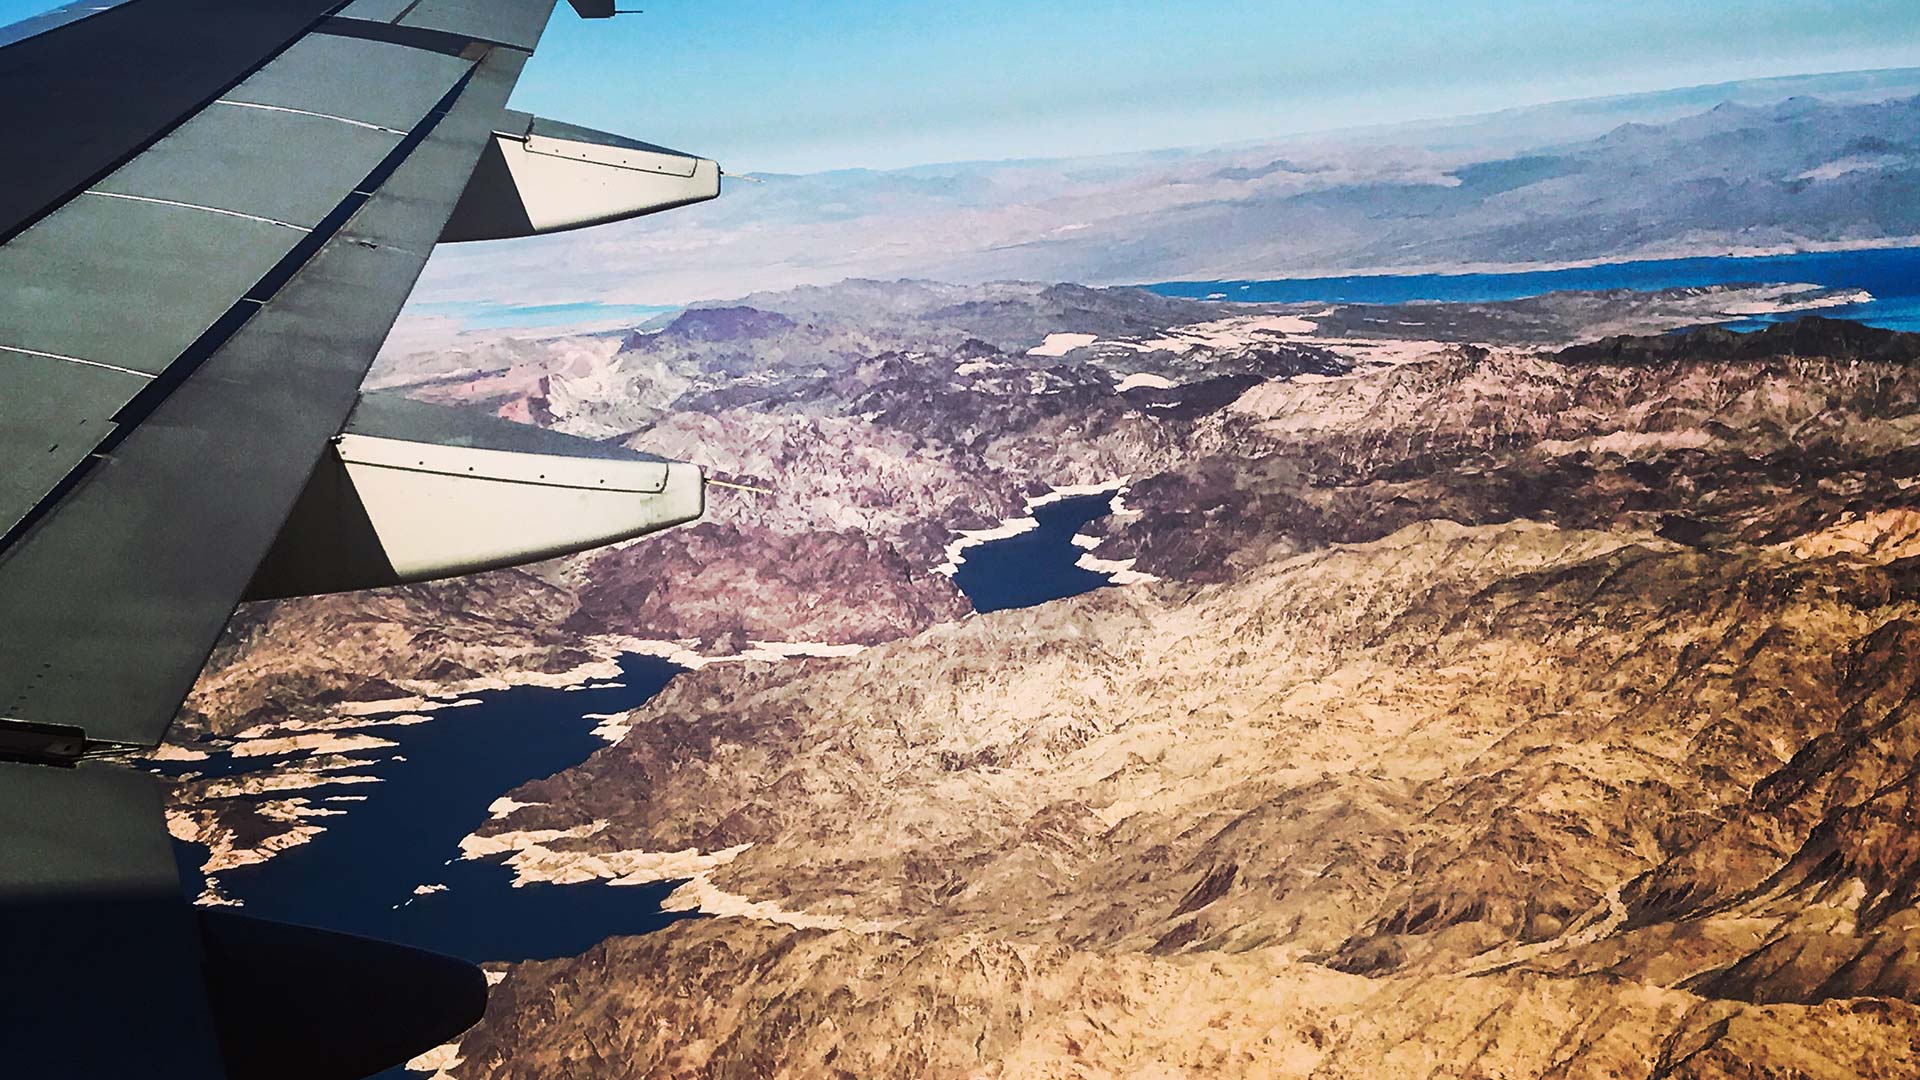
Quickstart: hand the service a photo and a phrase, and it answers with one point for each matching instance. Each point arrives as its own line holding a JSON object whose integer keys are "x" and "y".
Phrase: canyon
{"x": 1508, "y": 689}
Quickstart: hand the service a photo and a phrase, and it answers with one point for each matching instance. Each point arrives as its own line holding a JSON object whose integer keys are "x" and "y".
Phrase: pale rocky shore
{"x": 1500, "y": 708}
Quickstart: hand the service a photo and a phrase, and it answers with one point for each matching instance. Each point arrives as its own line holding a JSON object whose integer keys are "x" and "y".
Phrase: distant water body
{"x": 1892, "y": 275}
{"x": 485, "y": 315}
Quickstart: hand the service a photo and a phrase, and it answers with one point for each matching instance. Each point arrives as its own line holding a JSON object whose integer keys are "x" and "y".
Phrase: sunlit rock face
{"x": 1500, "y": 777}
{"x": 1410, "y": 756}
{"x": 1707, "y": 439}
{"x": 1502, "y": 708}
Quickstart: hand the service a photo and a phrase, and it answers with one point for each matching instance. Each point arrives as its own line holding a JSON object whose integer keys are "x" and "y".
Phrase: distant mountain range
{"x": 1778, "y": 164}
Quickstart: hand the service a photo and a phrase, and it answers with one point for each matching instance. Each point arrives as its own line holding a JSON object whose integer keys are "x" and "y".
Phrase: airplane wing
{"x": 211, "y": 213}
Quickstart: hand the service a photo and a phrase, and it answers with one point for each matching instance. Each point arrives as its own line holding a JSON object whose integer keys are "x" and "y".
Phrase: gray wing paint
{"x": 183, "y": 332}
{"x": 212, "y": 212}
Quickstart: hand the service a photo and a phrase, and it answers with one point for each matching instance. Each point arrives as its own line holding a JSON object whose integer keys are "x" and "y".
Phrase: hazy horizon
{"x": 1419, "y": 124}
{"x": 1306, "y": 207}
{"x": 766, "y": 87}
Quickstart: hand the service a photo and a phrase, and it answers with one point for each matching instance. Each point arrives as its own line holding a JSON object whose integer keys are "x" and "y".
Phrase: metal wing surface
{"x": 216, "y": 213}
{"x": 211, "y": 212}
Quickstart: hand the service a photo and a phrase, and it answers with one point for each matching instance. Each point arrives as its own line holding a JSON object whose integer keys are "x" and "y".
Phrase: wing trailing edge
{"x": 414, "y": 492}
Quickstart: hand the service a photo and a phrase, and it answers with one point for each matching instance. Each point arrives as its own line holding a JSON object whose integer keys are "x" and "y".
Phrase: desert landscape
{"x": 1510, "y": 689}
{"x": 986, "y": 541}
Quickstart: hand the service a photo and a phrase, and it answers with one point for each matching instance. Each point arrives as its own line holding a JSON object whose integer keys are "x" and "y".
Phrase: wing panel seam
{"x": 149, "y": 397}
{"x": 75, "y": 360}
{"x": 197, "y": 206}
{"x": 308, "y": 112}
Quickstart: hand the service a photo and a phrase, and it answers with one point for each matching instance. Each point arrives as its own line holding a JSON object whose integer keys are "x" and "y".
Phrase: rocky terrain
{"x": 877, "y": 420}
{"x": 1521, "y": 705}
{"x": 880, "y": 419}
{"x": 1515, "y": 700}
{"x": 1706, "y": 439}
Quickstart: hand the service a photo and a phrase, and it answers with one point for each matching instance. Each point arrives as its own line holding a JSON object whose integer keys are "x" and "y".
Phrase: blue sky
{"x": 840, "y": 83}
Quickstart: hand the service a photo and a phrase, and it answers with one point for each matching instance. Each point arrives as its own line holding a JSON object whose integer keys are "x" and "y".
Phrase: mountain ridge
{"x": 1767, "y": 176}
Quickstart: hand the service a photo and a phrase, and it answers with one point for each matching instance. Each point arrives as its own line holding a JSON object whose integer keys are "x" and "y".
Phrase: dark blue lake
{"x": 1892, "y": 275}
{"x": 436, "y": 785}
{"x": 1037, "y": 565}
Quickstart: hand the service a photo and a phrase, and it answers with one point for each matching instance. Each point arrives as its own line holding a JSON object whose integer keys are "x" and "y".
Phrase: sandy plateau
{"x": 1489, "y": 701}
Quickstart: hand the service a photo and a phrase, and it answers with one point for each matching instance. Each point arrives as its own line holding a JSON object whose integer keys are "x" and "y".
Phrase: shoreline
{"x": 1474, "y": 269}
{"x": 1016, "y": 526}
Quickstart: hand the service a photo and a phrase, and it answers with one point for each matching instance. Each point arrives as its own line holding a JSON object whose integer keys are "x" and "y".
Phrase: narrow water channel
{"x": 436, "y": 784}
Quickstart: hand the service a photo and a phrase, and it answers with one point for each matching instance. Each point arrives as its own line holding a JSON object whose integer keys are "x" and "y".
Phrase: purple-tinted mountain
{"x": 1773, "y": 165}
